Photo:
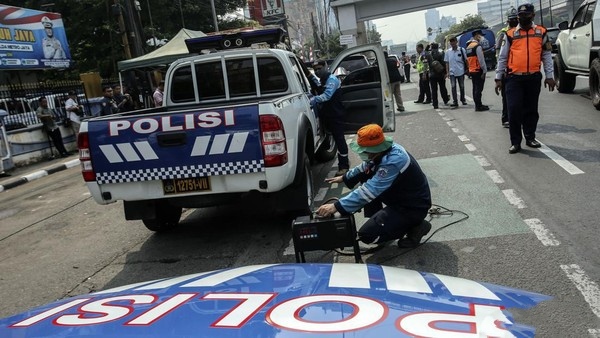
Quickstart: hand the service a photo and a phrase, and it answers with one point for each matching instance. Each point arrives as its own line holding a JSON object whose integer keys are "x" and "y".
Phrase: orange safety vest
{"x": 472, "y": 58}
{"x": 526, "y": 46}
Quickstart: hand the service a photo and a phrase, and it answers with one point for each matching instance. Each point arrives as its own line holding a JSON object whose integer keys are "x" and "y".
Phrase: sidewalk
{"x": 21, "y": 175}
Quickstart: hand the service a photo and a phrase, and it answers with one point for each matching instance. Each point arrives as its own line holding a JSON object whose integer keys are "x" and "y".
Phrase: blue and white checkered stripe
{"x": 213, "y": 169}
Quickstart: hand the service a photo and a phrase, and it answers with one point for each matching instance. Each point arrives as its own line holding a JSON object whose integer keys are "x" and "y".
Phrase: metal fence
{"x": 21, "y": 101}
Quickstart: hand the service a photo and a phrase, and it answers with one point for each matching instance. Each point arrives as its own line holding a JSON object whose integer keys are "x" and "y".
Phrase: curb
{"x": 38, "y": 174}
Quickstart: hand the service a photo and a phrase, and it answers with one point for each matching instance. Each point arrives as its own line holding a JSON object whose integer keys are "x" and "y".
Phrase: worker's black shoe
{"x": 418, "y": 101}
{"x": 414, "y": 236}
{"x": 515, "y": 148}
{"x": 427, "y": 102}
{"x": 482, "y": 108}
{"x": 533, "y": 143}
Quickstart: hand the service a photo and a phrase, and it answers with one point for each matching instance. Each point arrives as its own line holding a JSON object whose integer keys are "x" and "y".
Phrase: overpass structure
{"x": 352, "y": 12}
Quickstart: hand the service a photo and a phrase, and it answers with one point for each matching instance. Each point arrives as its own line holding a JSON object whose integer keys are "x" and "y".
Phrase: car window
{"x": 271, "y": 75}
{"x": 354, "y": 62}
{"x": 590, "y": 13}
{"x": 182, "y": 89}
{"x": 209, "y": 76}
{"x": 240, "y": 77}
{"x": 579, "y": 17}
{"x": 298, "y": 71}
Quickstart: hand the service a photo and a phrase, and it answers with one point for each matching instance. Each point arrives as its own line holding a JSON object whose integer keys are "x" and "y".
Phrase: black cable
{"x": 434, "y": 211}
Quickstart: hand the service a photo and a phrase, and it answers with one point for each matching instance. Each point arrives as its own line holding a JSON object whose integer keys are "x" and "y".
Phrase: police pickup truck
{"x": 235, "y": 123}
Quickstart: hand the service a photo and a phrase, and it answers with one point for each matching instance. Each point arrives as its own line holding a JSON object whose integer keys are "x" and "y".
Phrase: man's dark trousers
{"x": 504, "y": 117}
{"x": 478, "y": 83}
{"x": 424, "y": 89}
{"x": 522, "y": 96}
{"x": 407, "y": 72}
{"x": 334, "y": 126}
{"x": 435, "y": 81}
{"x": 57, "y": 141}
{"x": 386, "y": 224}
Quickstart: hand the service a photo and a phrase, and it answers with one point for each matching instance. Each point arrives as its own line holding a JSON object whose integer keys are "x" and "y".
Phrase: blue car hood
{"x": 284, "y": 301}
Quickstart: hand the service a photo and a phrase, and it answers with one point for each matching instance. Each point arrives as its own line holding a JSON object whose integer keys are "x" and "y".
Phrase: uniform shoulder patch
{"x": 382, "y": 172}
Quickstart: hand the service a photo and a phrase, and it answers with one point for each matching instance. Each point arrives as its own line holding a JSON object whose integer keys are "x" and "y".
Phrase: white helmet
{"x": 46, "y": 22}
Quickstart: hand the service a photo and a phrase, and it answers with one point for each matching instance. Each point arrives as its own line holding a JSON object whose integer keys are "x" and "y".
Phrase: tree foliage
{"x": 93, "y": 31}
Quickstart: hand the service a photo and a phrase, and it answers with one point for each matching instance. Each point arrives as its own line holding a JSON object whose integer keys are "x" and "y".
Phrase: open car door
{"x": 366, "y": 94}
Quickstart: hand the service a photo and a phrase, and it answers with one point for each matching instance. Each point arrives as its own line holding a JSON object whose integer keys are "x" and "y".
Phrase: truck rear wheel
{"x": 594, "y": 79}
{"x": 302, "y": 194}
{"x": 565, "y": 82}
{"x": 327, "y": 150}
{"x": 167, "y": 217}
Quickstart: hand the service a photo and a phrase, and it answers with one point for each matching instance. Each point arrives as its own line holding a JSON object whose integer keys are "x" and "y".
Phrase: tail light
{"x": 273, "y": 141}
{"x": 85, "y": 158}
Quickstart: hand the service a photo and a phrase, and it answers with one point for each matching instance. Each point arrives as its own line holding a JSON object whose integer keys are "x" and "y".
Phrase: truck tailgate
{"x": 181, "y": 144}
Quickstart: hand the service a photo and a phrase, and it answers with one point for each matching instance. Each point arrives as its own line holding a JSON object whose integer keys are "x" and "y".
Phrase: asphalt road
{"x": 532, "y": 221}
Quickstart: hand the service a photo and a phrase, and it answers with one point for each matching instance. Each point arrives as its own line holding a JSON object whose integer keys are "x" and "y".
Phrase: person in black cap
{"x": 511, "y": 22}
{"x": 526, "y": 47}
{"x": 477, "y": 68}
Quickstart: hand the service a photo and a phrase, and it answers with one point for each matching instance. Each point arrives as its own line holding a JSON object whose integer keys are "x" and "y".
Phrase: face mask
{"x": 363, "y": 156}
{"x": 525, "y": 21}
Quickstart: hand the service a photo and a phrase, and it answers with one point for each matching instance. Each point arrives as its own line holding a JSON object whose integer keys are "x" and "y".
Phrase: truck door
{"x": 365, "y": 89}
{"x": 577, "y": 39}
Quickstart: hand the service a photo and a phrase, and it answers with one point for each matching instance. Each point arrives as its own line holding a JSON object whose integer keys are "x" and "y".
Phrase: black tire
{"x": 565, "y": 82}
{"x": 594, "y": 81}
{"x": 303, "y": 192}
{"x": 167, "y": 217}
{"x": 327, "y": 150}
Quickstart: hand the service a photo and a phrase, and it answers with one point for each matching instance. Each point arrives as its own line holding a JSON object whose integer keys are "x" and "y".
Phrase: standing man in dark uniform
{"x": 109, "y": 105}
{"x": 525, "y": 48}
{"x": 395, "y": 79}
{"x": 477, "y": 68}
{"x": 512, "y": 21}
{"x": 437, "y": 76}
{"x": 330, "y": 110}
{"x": 406, "y": 64}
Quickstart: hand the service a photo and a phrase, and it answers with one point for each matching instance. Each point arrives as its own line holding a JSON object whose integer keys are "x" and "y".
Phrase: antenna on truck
{"x": 238, "y": 38}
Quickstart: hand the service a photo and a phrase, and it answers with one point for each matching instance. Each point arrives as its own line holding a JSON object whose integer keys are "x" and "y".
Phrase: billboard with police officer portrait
{"x": 31, "y": 39}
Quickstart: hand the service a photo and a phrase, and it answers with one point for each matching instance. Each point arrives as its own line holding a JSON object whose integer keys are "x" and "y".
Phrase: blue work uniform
{"x": 397, "y": 181}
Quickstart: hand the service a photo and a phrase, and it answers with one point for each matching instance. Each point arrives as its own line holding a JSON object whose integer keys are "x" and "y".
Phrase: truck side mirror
{"x": 563, "y": 25}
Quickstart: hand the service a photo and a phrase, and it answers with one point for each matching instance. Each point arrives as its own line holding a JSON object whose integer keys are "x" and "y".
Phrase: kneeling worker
{"x": 392, "y": 176}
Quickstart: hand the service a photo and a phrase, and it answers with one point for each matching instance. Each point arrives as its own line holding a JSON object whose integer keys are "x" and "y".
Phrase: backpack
{"x": 437, "y": 67}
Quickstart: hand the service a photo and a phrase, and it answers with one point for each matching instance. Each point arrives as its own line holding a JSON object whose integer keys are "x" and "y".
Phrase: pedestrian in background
{"x": 395, "y": 79}
{"x": 511, "y": 22}
{"x": 526, "y": 47}
{"x": 50, "y": 127}
{"x": 422, "y": 66}
{"x": 75, "y": 111}
{"x": 328, "y": 102}
{"x": 158, "y": 94}
{"x": 437, "y": 76}
{"x": 456, "y": 66}
{"x": 406, "y": 65}
{"x": 477, "y": 68}
{"x": 108, "y": 103}
{"x": 124, "y": 101}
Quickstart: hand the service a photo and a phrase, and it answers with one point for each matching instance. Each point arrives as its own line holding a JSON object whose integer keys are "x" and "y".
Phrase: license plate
{"x": 185, "y": 185}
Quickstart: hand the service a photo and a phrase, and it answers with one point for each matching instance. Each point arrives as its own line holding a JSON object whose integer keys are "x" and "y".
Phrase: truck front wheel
{"x": 565, "y": 82}
{"x": 167, "y": 217}
{"x": 327, "y": 150}
{"x": 594, "y": 79}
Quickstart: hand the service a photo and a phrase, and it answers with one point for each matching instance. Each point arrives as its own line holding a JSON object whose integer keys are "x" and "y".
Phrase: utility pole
{"x": 214, "y": 13}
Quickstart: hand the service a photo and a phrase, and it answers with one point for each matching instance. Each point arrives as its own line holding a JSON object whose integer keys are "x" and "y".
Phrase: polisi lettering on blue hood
{"x": 286, "y": 300}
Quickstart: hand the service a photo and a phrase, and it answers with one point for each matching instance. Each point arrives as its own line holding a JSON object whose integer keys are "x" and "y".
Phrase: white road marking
{"x": 594, "y": 333}
{"x": 495, "y": 176}
{"x": 451, "y": 124}
{"x": 456, "y": 130}
{"x": 470, "y": 147}
{"x": 513, "y": 199}
{"x": 442, "y": 114}
{"x": 482, "y": 161}
{"x": 561, "y": 161}
{"x": 446, "y": 118}
{"x": 541, "y": 232}
{"x": 587, "y": 287}
{"x": 463, "y": 138}
{"x": 321, "y": 194}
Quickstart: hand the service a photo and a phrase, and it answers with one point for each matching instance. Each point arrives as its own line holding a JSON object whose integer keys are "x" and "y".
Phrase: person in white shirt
{"x": 158, "y": 94}
{"x": 75, "y": 111}
{"x": 456, "y": 58}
